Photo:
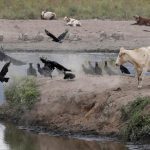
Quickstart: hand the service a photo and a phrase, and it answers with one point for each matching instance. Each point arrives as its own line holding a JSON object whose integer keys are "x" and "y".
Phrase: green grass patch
{"x": 21, "y": 95}
{"x": 83, "y": 9}
{"x": 138, "y": 123}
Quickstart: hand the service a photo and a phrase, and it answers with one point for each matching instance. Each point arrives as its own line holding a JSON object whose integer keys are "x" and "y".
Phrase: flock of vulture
{"x": 49, "y": 65}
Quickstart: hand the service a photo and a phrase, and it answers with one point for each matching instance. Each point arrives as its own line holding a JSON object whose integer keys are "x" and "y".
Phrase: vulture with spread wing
{"x": 53, "y": 64}
{"x": 57, "y": 39}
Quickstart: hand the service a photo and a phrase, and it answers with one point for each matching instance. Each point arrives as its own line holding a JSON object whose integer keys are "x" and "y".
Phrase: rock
{"x": 23, "y": 37}
{"x": 103, "y": 35}
{"x": 117, "y": 36}
{"x": 39, "y": 37}
{"x": 72, "y": 37}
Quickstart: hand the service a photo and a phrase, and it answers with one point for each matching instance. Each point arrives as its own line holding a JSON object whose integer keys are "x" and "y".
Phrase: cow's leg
{"x": 140, "y": 74}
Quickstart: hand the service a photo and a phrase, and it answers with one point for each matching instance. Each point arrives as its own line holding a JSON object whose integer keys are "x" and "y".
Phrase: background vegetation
{"x": 137, "y": 121}
{"x": 83, "y": 9}
{"x": 21, "y": 96}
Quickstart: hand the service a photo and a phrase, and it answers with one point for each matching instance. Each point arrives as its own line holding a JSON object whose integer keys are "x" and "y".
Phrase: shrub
{"x": 22, "y": 93}
{"x": 138, "y": 123}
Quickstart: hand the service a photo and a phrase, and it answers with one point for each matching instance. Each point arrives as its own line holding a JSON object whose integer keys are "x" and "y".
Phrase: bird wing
{"x": 43, "y": 60}
{"x": 16, "y": 62}
{"x": 62, "y": 36}
{"x": 52, "y": 36}
{"x": 59, "y": 66}
{"x": 47, "y": 63}
{"x": 5, "y": 69}
{"x": 4, "y": 57}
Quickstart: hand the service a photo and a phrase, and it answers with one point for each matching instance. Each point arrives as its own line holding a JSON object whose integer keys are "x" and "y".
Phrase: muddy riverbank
{"x": 89, "y": 105}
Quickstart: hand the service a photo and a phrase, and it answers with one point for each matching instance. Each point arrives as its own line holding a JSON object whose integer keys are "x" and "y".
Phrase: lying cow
{"x": 140, "y": 58}
{"x": 47, "y": 15}
{"x": 72, "y": 22}
{"x": 141, "y": 20}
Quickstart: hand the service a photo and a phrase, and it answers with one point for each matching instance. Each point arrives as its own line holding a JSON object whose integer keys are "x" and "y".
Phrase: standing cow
{"x": 140, "y": 58}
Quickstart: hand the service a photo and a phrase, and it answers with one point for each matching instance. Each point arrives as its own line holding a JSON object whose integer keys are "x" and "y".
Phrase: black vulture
{"x": 124, "y": 69}
{"x": 45, "y": 71}
{"x": 31, "y": 71}
{"x": 69, "y": 75}
{"x": 4, "y": 57}
{"x": 87, "y": 70}
{"x": 108, "y": 69}
{"x": 57, "y": 39}
{"x": 91, "y": 67}
{"x": 53, "y": 64}
{"x": 4, "y": 72}
{"x": 98, "y": 70}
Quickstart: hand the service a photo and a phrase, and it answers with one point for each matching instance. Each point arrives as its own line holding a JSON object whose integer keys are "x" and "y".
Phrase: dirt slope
{"x": 87, "y": 103}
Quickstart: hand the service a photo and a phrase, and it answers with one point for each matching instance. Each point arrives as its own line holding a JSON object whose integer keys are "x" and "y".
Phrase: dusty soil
{"x": 89, "y": 103}
{"x": 93, "y": 35}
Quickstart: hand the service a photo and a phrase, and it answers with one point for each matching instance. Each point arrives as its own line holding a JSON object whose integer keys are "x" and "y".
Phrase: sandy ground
{"x": 89, "y": 103}
{"x": 93, "y": 35}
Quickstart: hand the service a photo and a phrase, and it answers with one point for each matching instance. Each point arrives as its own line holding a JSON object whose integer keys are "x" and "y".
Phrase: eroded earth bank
{"x": 89, "y": 105}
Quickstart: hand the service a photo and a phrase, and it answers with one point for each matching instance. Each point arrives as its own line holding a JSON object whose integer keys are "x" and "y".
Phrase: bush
{"x": 22, "y": 93}
{"x": 138, "y": 123}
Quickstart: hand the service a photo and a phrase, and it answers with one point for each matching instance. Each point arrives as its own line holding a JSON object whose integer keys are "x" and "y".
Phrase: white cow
{"x": 140, "y": 58}
{"x": 47, "y": 15}
{"x": 72, "y": 22}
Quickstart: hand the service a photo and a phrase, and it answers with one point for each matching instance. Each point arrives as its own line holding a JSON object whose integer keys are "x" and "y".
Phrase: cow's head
{"x": 136, "y": 17}
{"x": 42, "y": 14}
{"x": 67, "y": 19}
{"x": 122, "y": 57}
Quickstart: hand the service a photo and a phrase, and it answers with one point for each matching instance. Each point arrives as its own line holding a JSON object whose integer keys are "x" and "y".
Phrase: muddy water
{"x": 12, "y": 138}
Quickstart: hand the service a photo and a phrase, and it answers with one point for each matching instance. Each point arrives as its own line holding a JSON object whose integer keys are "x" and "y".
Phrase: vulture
{"x": 69, "y": 75}
{"x": 124, "y": 69}
{"x": 4, "y": 72}
{"x": 31, "y": 71}
{"x": 91, "y": 67}
{"x": 53, "y": 64}
{"x": 98, "y": 70}
{"x": 57, "y": 39}
{"x": 45, "y": 71}
{"x": 87, "y": 70}
{"x": 4, "y": 57}
{"x": 108, "y": 69}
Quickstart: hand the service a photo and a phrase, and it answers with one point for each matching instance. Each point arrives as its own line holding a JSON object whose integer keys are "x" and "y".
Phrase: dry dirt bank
{"x": 90, "y": 103}
{"x": 93, "y": 35}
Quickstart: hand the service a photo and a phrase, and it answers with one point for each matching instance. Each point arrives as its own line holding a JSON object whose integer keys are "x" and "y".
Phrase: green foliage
{"x": 138, "y": 124}
{"x": 112, "y": 9}
{"x": 22, "y": 93}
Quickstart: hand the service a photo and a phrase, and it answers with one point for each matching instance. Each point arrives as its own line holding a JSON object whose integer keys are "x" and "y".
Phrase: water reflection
{"x": 3, "y": 144}
{"x": 2, "y": 97}
{"x": 21, "y": 140}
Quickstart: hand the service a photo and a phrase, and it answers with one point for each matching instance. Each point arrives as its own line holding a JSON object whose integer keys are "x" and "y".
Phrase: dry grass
{"x": 112, "y": 9}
